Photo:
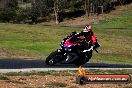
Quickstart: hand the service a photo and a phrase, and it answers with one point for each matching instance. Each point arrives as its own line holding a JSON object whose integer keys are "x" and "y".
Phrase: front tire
{"x": 51, "y": 59}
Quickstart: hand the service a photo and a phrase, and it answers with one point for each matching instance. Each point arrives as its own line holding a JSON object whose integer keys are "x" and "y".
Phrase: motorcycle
{"x": 72, "y": 51}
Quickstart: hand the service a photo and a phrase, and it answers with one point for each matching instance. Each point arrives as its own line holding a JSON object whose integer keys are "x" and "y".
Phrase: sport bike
{"x": 73, "y": 50}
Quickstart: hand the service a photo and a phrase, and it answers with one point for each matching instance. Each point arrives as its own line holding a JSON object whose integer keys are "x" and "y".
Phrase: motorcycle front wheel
{"x": 53, "y": 58}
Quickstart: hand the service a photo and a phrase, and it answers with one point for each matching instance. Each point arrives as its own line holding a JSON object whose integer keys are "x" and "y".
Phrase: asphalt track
{"x": 16, "y": 65}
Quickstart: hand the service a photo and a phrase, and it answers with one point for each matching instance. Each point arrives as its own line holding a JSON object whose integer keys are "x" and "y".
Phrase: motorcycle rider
{"x": 89, "y": 35}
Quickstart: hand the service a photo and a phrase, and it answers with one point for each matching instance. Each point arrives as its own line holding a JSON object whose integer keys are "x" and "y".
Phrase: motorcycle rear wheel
{"x": 83, "y": 60}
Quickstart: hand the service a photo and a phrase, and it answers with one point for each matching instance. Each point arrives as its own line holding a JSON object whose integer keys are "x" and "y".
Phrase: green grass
{"x": 41, "y": 73}
{"x": 4, "y": 78}
{"x": 40, "y": 40}
{"x": 116, "y": 44}
{"x": 111, "y": 58}
{"x": 93, "y": 71}
{"x": 31, "y": 38}
{"x": 122, "y": 21}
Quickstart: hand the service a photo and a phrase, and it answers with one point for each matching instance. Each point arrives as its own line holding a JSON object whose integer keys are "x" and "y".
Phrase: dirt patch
{"x": 54, "y": 81}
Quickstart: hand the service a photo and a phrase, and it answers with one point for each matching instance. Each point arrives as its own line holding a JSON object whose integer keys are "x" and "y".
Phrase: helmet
{"x": 87, "y": 31}
{"x": 87, "y": 28}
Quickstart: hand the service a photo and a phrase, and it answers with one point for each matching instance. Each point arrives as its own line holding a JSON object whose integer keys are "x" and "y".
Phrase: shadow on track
{"x": 19, "y": 64}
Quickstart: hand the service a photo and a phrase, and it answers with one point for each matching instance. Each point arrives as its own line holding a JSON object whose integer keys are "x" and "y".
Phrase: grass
{"x": 93, "y": 71}
{"x": 114, "y": 35}
{"x": 30, "y": 38}
{"x": 4, "y": 78}
{"x": 39, "y": 40}
{"x": 122, "y": 21}
{"x": 111, "y": 58}
{"x": 41, "y": 73}
{"x": 64, "y": 73}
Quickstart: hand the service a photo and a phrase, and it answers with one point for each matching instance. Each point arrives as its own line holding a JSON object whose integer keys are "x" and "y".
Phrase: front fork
{"x": 63, "y": 53}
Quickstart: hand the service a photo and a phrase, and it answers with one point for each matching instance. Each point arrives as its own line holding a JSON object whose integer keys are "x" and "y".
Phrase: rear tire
{"x": 79, "y": 62}
{"x": 83, "y": 60}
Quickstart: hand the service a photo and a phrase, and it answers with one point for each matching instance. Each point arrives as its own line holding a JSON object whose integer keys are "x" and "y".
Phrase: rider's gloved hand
{"x": 96, "y": 45}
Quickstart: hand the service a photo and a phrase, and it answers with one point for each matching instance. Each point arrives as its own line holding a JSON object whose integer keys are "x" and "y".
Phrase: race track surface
{"x": 20, "y": 64}
{"x": 13, "y": 65}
